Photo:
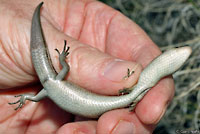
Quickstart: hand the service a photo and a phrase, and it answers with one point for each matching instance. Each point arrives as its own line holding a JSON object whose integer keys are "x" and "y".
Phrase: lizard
{"x": 80, "y": 101}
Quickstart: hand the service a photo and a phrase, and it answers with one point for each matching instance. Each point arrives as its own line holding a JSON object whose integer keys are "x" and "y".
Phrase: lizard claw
{"x": 21, "y": 101}
{"x": 65, "y": 51}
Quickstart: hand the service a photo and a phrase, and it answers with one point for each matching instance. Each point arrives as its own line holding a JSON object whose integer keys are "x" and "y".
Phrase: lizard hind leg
{"x": 65, "y": 66}
{"x": 23, "y": 97}
{"x": 134, "y": 103}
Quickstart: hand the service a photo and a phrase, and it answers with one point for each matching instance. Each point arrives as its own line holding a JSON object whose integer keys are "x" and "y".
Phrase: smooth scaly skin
{"x": 79, "y": 101}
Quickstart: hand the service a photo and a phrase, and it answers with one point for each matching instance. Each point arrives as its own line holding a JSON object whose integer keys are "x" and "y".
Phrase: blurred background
{"x": 173, "y": 23}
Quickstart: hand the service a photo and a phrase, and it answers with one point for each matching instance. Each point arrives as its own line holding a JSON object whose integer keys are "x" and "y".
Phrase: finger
{"x": 87, "y": 127}
{"x": 122, "y": 121}
{"x": 153, "y": 106}
{"x": 129, "y": 41}
{"x": 102, "y": 27}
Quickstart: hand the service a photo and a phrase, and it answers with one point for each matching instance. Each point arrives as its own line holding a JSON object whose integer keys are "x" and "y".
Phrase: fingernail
{"x": 124, "y": 127}
{"x": 117, "y": 69}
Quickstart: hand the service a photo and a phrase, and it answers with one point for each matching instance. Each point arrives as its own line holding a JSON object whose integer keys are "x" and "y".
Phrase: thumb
{"x": 89, "y": 67}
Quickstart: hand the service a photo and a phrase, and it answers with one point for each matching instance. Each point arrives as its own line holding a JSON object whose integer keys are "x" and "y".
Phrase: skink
{"x": 79, "y": 101}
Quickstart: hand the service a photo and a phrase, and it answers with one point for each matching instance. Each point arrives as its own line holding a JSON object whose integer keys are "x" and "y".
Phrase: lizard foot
{"x": 124, "y": 91}
{"x": 64, "y": 53}
{"x": 132, "y": 106}
{"x": 129, "y": 73}
{"x": 21, "y": 101}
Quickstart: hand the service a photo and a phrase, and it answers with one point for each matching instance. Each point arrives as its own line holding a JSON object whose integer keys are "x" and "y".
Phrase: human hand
{"x": 99, "y": 70}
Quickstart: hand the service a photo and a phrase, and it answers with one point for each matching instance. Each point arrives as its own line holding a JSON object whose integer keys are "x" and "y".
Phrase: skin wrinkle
{"x": 21, "y": 62}
{"x": 73, "y": 64}
{"x": 75, "y": 18}
{"x": 99, "y": 15}
{"x": 65, "y": 20}
{"x": 32, "y": 115}
{"x": 14, "y": 48}
{"x": 7, "y": 117}
{"x": 92, "y": 25}
{"x": 64, "y": 23}
{"x": 106, "y": 36}
{"x": 3, "y": 85}
{"x": 5, "y": 51}
{"x": 114, "y": 42}
{"x": 101, "y": 76}
{"x": 7, "y": 74}
{"x": 13, "y": 120}
{"x": 87, "y": 13}
{"x": 102, "y": 19}
{"x": 140, "y": 51}
{"x": 5, "y": 67}
{"x": 101, "y": 34}
{"x": 136, "y": 52}
{"x": 77, "y": 56}
{"x": 19, "y": 14}
{"x": 84, "y": 18}
{"x": 11, "y": 54}
{"x": 28, "y": 63}
{"x": 16, "y": 114}
{"x": 81, "y": 29}
{"x": 13, "y": 74}
{"x": 114, "y": 127}
{"x": 46, "y": 16}
{"x": 94, "y": 31}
